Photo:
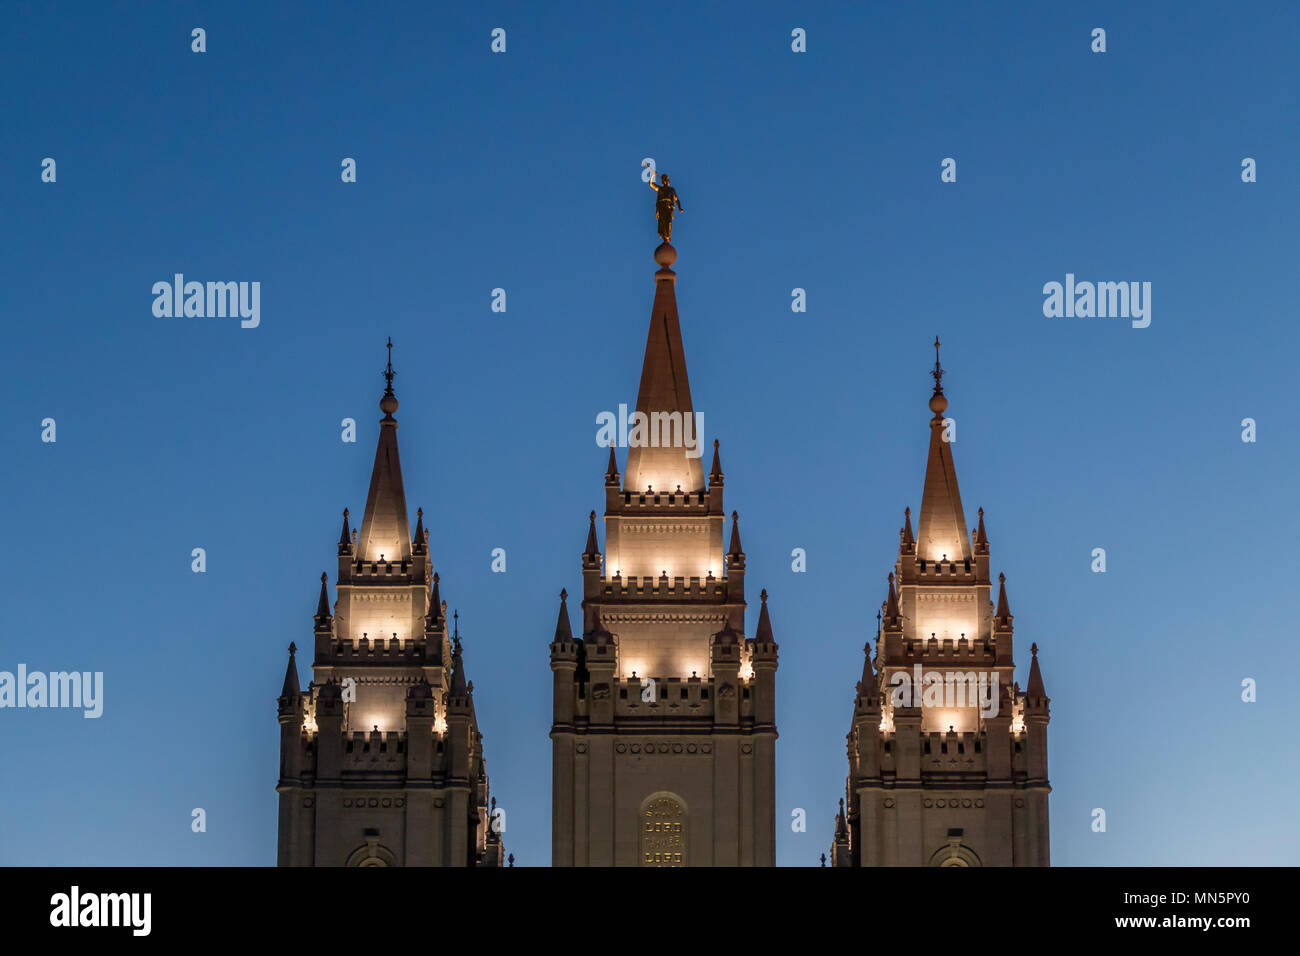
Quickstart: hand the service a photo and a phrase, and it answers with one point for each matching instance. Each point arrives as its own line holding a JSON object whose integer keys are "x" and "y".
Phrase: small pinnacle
{"x": 564, "y": 594}
{"x": 293, "y": 647}
{"x": 1033, "y": 649}
{"x": 323, "y": 577}
{"x": 763, "y": 595}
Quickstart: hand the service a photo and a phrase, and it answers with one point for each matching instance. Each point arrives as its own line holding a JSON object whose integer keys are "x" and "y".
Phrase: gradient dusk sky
{"x": 818, "y": 171}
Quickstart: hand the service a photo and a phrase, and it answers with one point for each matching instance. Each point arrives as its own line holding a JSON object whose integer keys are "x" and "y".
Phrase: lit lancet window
{"x": 1018, "y": 717}
{"x": 746, "y": 672}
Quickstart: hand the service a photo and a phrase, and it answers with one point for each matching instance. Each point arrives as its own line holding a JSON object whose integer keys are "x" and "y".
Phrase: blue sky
{"x": 521, "y": 171}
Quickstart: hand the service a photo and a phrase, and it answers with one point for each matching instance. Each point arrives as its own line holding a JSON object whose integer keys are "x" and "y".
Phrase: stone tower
{"x": 664, "y": 727}
{"x": 381, "y": 760}
{"x": 947, "y": 757}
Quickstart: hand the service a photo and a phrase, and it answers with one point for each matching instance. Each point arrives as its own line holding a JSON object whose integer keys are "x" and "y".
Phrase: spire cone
{"x": 1004, "y": 611}
{"x": 323, "y": 604}
{"x": 290, "y": 688}
{"x": 763, "y": 633}
{"x": 665, "y": 389}
{"x": 942, "y": 525}
{"x": 345, "y": 537}
{"x": 715, "y": 474}
{"x": 385, "y": 527}
{"x": 1035, "y": 691}
{"x": 735, "y": 550}
{"x": 611, "y": 472}
{"x": 563, "y": 632}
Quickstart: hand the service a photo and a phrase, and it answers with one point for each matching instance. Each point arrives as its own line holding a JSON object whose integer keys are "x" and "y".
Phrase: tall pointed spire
{"x": 981, "y": 537}
{"x": 867, "y": 688}
{"x": 434, "y": 616}
{"x": 891, "y": 605}
{"x": 942, "y": 527}
{"x": 611, "y": 472}
{"x": 715, "y": 474}
{"x": 591, "y": 550}
{"x": 1004, "y": 611}
{"x": 908, "y": 539}
{"x": 323, "y": 605}
{"x": 385, "y": 528}
{"x": 290, "y": 688}
{"x": 665, "y": 389}
{"x": 763, "y": 633}
{"x": 345, "y": 537}
{"x": 735, "y": 549}
{"x": 458, "y": 686}
{"x": 563, "y": 632}
{"x": 418, "y": 542}
{"x": 1035, "y": 690}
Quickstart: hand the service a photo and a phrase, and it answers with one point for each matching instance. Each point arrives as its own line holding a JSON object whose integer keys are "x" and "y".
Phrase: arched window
{"x": 955, "y": 853}
{"x": 373, "y": 853}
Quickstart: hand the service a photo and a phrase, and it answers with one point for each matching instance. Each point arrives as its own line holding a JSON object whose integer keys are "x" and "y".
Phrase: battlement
{"x": 939, "y": 752}
{"x": 963, "y": 650}
{"x": 369, "y": 750}
{"x": 943, "y": 572}
{"x": 385, "y": 649}
{"x": 693, "y": 504}
{"x": 384, "y": 572}
{"x": 673, "y": 697}
{"x": 649, "y": 586}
